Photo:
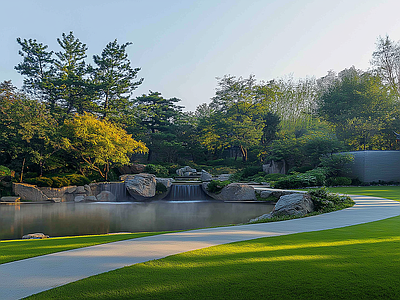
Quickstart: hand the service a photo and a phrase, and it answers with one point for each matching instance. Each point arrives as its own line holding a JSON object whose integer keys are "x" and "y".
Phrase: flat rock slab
{"x": 30, "y": 276}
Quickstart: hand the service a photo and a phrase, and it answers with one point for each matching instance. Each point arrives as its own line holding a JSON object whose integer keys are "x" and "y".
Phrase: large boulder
{"x": 104, "y": 196}
{"x": 293, "y": 204}
{"x": 167, "y": 182}
{"x": 233, "y": 192}
{"x": 29, "y": 192}
{"x": 224, "y": 177}
{"x": 205, "y": 176}
{"x": 141, "y": 186}
{"x": 186, "y": 171}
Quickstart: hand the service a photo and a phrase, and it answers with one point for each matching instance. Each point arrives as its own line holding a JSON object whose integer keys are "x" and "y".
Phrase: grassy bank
{"x": 356, "y": 262}
{"x": 20, "y": 249}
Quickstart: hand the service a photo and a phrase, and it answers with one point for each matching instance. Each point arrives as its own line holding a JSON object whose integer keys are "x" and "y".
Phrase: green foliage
{"x": 158, "y": 170}
{"x": 361, "y": 108}
{"x": 338, "y": 181}
{"x": 4, "y": 171}
{"x": 160, "y": 188}
{"x": 59, "y": 182}
{"x": 99, "y": 144}
{"x": 303, "y": 151}
{"x": 77, "y": 179}
{"x": 315, "y": 177}
{"x": 337, "y": 164}
{"x": 40, "y": 181}
{"x": 274, "y": 177}
{"x": 324, "y": 201}
{"x": 215, "y": 186}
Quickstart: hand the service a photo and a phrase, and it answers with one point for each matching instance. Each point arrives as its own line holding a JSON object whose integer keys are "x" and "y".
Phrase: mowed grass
{"x": 20, "y": 249}
{"x": 356, "y": 262}
{"x": 388, "y": 192}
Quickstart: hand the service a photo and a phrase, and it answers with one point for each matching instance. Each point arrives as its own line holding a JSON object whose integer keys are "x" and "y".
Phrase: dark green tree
{"x": 360, "y": 107}
{"x": 115, "y": 78}
{"x": 159, "y": 118}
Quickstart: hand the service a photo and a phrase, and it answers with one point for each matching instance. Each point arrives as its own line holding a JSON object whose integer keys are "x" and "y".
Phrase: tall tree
{"x": 38, "y": 68}
{"x": 159, "y": 118}
{"x": 238, "y": 110}
{"x": 75, "y": 91}
{"x": 386, "y": 60}
{"x": 116, "y": 79}
{"x": 359, "y": 106}
{"x": 28, "y": 133}
{"x": 99, "y": 143}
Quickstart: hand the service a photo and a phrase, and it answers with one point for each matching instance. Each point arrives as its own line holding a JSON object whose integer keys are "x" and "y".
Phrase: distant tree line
{"x": 73, "y": 116}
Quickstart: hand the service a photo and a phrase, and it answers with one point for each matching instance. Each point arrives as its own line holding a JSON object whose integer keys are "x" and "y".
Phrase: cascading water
{"x": 186, "y": 192}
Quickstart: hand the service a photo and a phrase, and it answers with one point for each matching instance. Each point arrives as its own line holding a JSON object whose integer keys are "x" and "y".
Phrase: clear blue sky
{"x": 182, "y": 45}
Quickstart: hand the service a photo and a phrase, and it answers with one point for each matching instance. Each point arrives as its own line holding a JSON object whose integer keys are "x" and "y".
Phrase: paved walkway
{"x": 30, "y": 276}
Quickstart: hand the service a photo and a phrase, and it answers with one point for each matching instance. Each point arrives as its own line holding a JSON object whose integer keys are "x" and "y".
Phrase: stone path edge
{"x": 22, "y": 278}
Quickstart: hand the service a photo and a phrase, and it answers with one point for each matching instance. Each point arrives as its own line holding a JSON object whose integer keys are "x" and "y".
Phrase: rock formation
{"x": 141, "y": 186}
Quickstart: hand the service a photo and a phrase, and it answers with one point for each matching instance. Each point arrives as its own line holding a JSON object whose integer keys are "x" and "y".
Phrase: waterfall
{"x": 118, "y": 189}
{"x": 186, "y": 192}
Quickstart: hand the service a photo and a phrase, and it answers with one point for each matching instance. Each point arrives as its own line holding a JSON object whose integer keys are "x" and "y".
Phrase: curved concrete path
{"x": 30, "y": 276}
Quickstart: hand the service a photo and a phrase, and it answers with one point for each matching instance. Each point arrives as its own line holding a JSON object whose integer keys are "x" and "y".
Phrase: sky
{"x": 182, "y": 46}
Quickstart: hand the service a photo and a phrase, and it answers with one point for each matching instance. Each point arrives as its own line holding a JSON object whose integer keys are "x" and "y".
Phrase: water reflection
{"x": 61, "y": 219}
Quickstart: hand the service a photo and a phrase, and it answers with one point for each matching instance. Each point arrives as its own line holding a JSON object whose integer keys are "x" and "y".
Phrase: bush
{"x": 158, "y": 170}
{"x": 60, "y": 181}
{"x": 310, "y": 178}
{"x": 215, "y": 186}
{"x": 160, "y": 188}
{"x": 337, "y": 164}
{"x": 334, "y": 181}
{"x": 4, "y": 171}
{"x": 40, "y": 181}
{"x": 77, "y": 179}
{"x": 30, "y": 174}
{"x": 251, "y": 171}
{"x": 325, "y": 202}
{"x": 274, "y": 177}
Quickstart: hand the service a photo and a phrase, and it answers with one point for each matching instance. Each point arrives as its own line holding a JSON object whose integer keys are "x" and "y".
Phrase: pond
{"x": 69, "y": 218}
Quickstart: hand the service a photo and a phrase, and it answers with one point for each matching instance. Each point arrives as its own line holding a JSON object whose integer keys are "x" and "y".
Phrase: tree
{"x": 359, "y": 106}
{"x": 38, "y": 68}
{"x": 115, "y": 79}
{"x": 159, "y": 118}
{"x": 238, "y": 111}
{"x": 99, "y": 143}
{"x": 386, "y": 60}
{"x": 28, "y": 133}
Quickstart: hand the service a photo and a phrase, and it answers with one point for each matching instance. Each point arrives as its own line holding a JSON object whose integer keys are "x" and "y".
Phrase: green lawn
{"x": 357, "y": 262}
{"x": 388, "y": 192}
{"x": 21, "y": 249}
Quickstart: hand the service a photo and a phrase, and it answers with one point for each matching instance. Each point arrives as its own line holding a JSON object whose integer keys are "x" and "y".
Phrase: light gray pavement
{"x": 30, "y": 276}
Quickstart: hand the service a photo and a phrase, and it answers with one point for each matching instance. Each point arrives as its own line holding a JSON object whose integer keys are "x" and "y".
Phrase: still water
{"x": 63, "y": 219}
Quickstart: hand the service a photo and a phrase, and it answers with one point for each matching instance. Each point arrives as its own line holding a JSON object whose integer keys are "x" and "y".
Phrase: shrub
{"x": 215, "y": 186}
{"x": 160, "y": 188}
{"x": 314, "y": 177}
{"x": 158, "y": 170}
{"x": 40, "y": 181}
{"x": 337, "y": 164}
{"x": 325, "y": 202}
{"x": 274, "y": 177}
{"x": 251, "y": 171}
{"x": 77, "y": 179}
{"x": 60, "y": 181}
{"x": 30, "y": 174}
{"x": 4, "y": 171}
{"x": 333, "y": 181}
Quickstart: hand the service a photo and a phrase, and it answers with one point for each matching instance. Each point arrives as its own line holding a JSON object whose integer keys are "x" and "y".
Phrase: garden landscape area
{"x": 278, "y": 188}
